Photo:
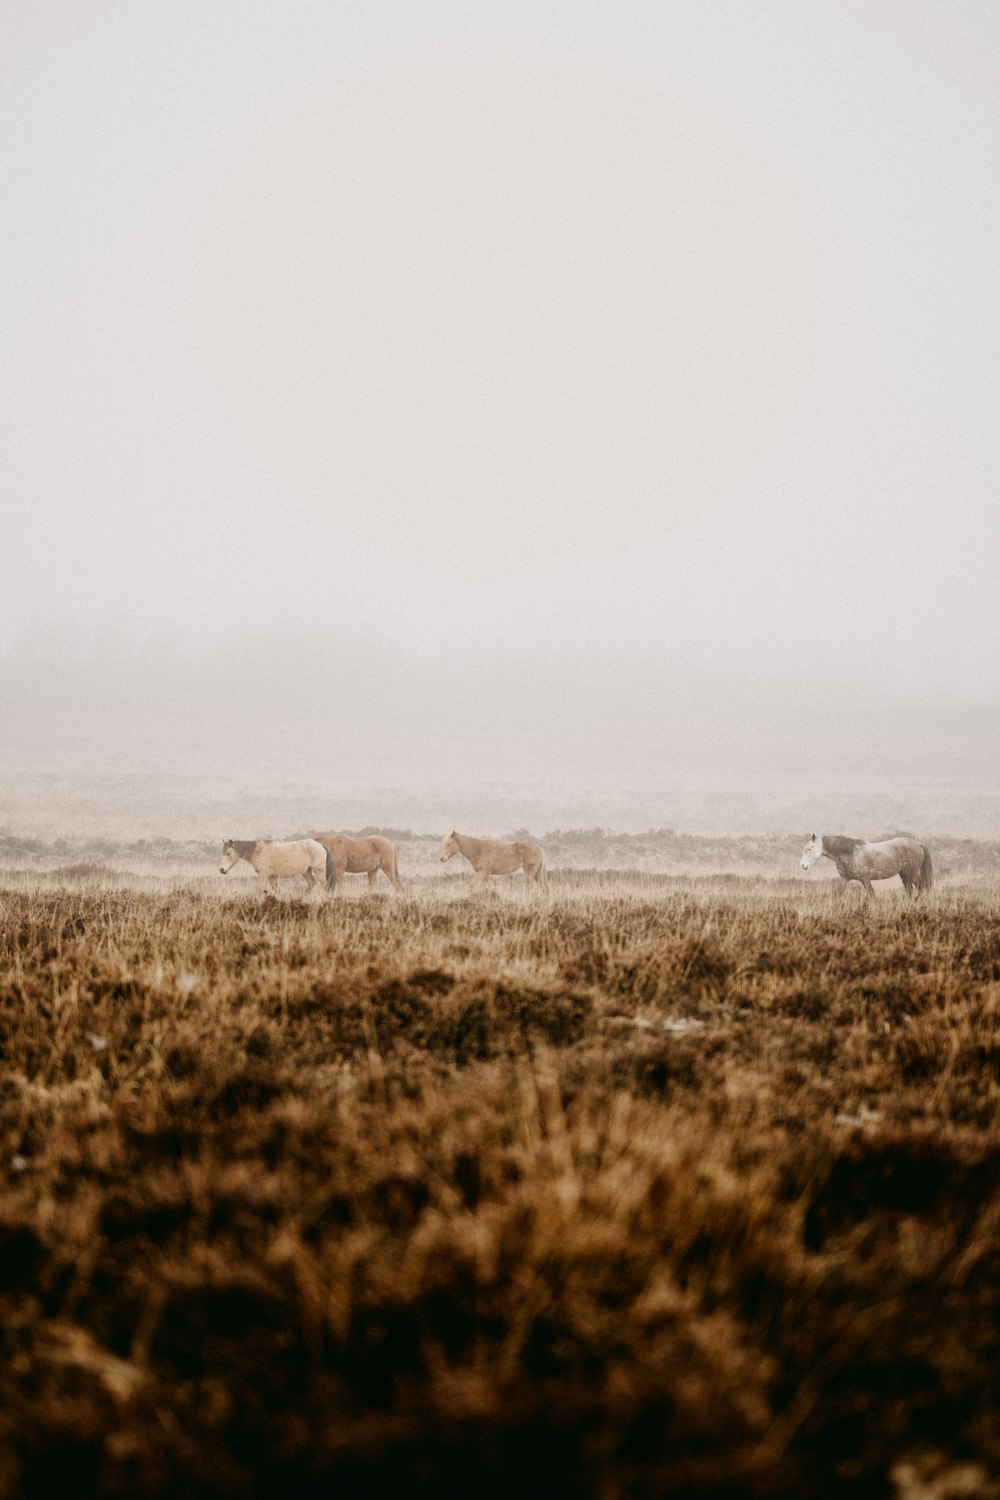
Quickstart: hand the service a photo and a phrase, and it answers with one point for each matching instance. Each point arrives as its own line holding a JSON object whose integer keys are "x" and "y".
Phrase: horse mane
{"x": 243, "y": 847}
{"x": 836, "y": 843}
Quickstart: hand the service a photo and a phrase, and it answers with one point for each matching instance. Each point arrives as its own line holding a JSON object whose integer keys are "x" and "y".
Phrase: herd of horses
{"x": 323, "y": 861}
{"x": 327, "y": 858}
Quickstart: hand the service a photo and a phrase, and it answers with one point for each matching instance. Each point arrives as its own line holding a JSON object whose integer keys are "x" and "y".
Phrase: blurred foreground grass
{"x": 665, "y": 1186}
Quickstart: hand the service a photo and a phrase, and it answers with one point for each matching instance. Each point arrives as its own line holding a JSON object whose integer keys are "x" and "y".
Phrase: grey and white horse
{"x": 856, "y": 860}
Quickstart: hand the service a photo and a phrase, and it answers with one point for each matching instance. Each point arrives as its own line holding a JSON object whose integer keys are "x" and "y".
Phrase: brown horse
{"x": 489, "y": 857}
{"x": 856, "y": 860}
{"x": 359, "y": 856}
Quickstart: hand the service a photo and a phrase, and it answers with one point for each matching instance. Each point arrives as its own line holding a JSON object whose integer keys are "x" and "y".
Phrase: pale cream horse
{"x": 489, "y": 857}
{"x": 273, "y": 860}
{"x": 359, "y": 856}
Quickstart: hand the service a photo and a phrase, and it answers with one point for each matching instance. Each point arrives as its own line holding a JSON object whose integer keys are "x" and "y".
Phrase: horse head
{"x": 449, "y": 846}
{"x": 812, "y": 852}
{"x": 230, "y": 856}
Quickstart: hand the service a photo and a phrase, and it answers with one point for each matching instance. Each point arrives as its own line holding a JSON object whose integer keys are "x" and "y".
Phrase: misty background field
{"x": 596, "y": 404}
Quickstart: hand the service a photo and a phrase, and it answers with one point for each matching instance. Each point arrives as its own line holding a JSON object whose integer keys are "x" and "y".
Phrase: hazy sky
{"x": 492, "y": 332}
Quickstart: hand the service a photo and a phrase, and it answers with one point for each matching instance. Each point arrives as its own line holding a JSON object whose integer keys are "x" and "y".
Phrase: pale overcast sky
{"x": 506, "y": 330}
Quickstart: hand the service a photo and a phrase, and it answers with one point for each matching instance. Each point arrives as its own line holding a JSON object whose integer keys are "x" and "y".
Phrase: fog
{"x": 581, "y": 402}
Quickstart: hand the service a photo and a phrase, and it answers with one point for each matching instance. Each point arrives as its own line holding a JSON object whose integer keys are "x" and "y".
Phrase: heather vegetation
{"x": 656, "y": 851}
{"x": 664, "y": 1185}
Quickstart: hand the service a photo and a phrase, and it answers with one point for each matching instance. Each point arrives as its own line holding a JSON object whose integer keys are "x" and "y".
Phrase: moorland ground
{"x": 665, "y": 1185}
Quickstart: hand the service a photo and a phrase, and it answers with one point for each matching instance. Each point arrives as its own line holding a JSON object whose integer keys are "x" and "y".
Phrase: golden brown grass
{"x": 665, "y": 1186}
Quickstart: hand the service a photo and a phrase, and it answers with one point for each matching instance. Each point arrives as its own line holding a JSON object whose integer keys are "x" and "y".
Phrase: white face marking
{"x": 229, "y": 858}
{"x": 812, "y": 852}
{"x": 448, "y": 848}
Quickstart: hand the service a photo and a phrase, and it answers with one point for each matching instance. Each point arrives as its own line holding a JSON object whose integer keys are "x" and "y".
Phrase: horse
{"x": 359, "y": 856}
{"x": 489, "y": 857}
{"x": 272, "y": 859}
{"x": 856, "y": 860}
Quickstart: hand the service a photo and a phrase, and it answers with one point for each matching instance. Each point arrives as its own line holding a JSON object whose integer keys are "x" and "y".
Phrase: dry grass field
{"x": 664, "y": 1186}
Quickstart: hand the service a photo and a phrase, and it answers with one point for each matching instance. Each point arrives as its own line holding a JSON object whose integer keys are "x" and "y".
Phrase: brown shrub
{"x": 663, "y": 1188}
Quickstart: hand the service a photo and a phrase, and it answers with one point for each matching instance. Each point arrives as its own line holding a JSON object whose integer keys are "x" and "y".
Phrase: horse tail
{"x": 543, "y": 874}
{"x": 331, "y": 872}
{"x": 925, "y": 880}
{"x": 393, "y": 871}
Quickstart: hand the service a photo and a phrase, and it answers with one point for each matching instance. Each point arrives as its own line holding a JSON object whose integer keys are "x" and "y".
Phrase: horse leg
{"x": 372, "y": 877}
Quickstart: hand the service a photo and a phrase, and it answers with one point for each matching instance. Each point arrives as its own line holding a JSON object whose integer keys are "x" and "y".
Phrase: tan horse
{"x": 489, "y": 857}
{"x": 362, "y": 856}
{"x": 856, "y": 860}
{"x": 272, "y": 860}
